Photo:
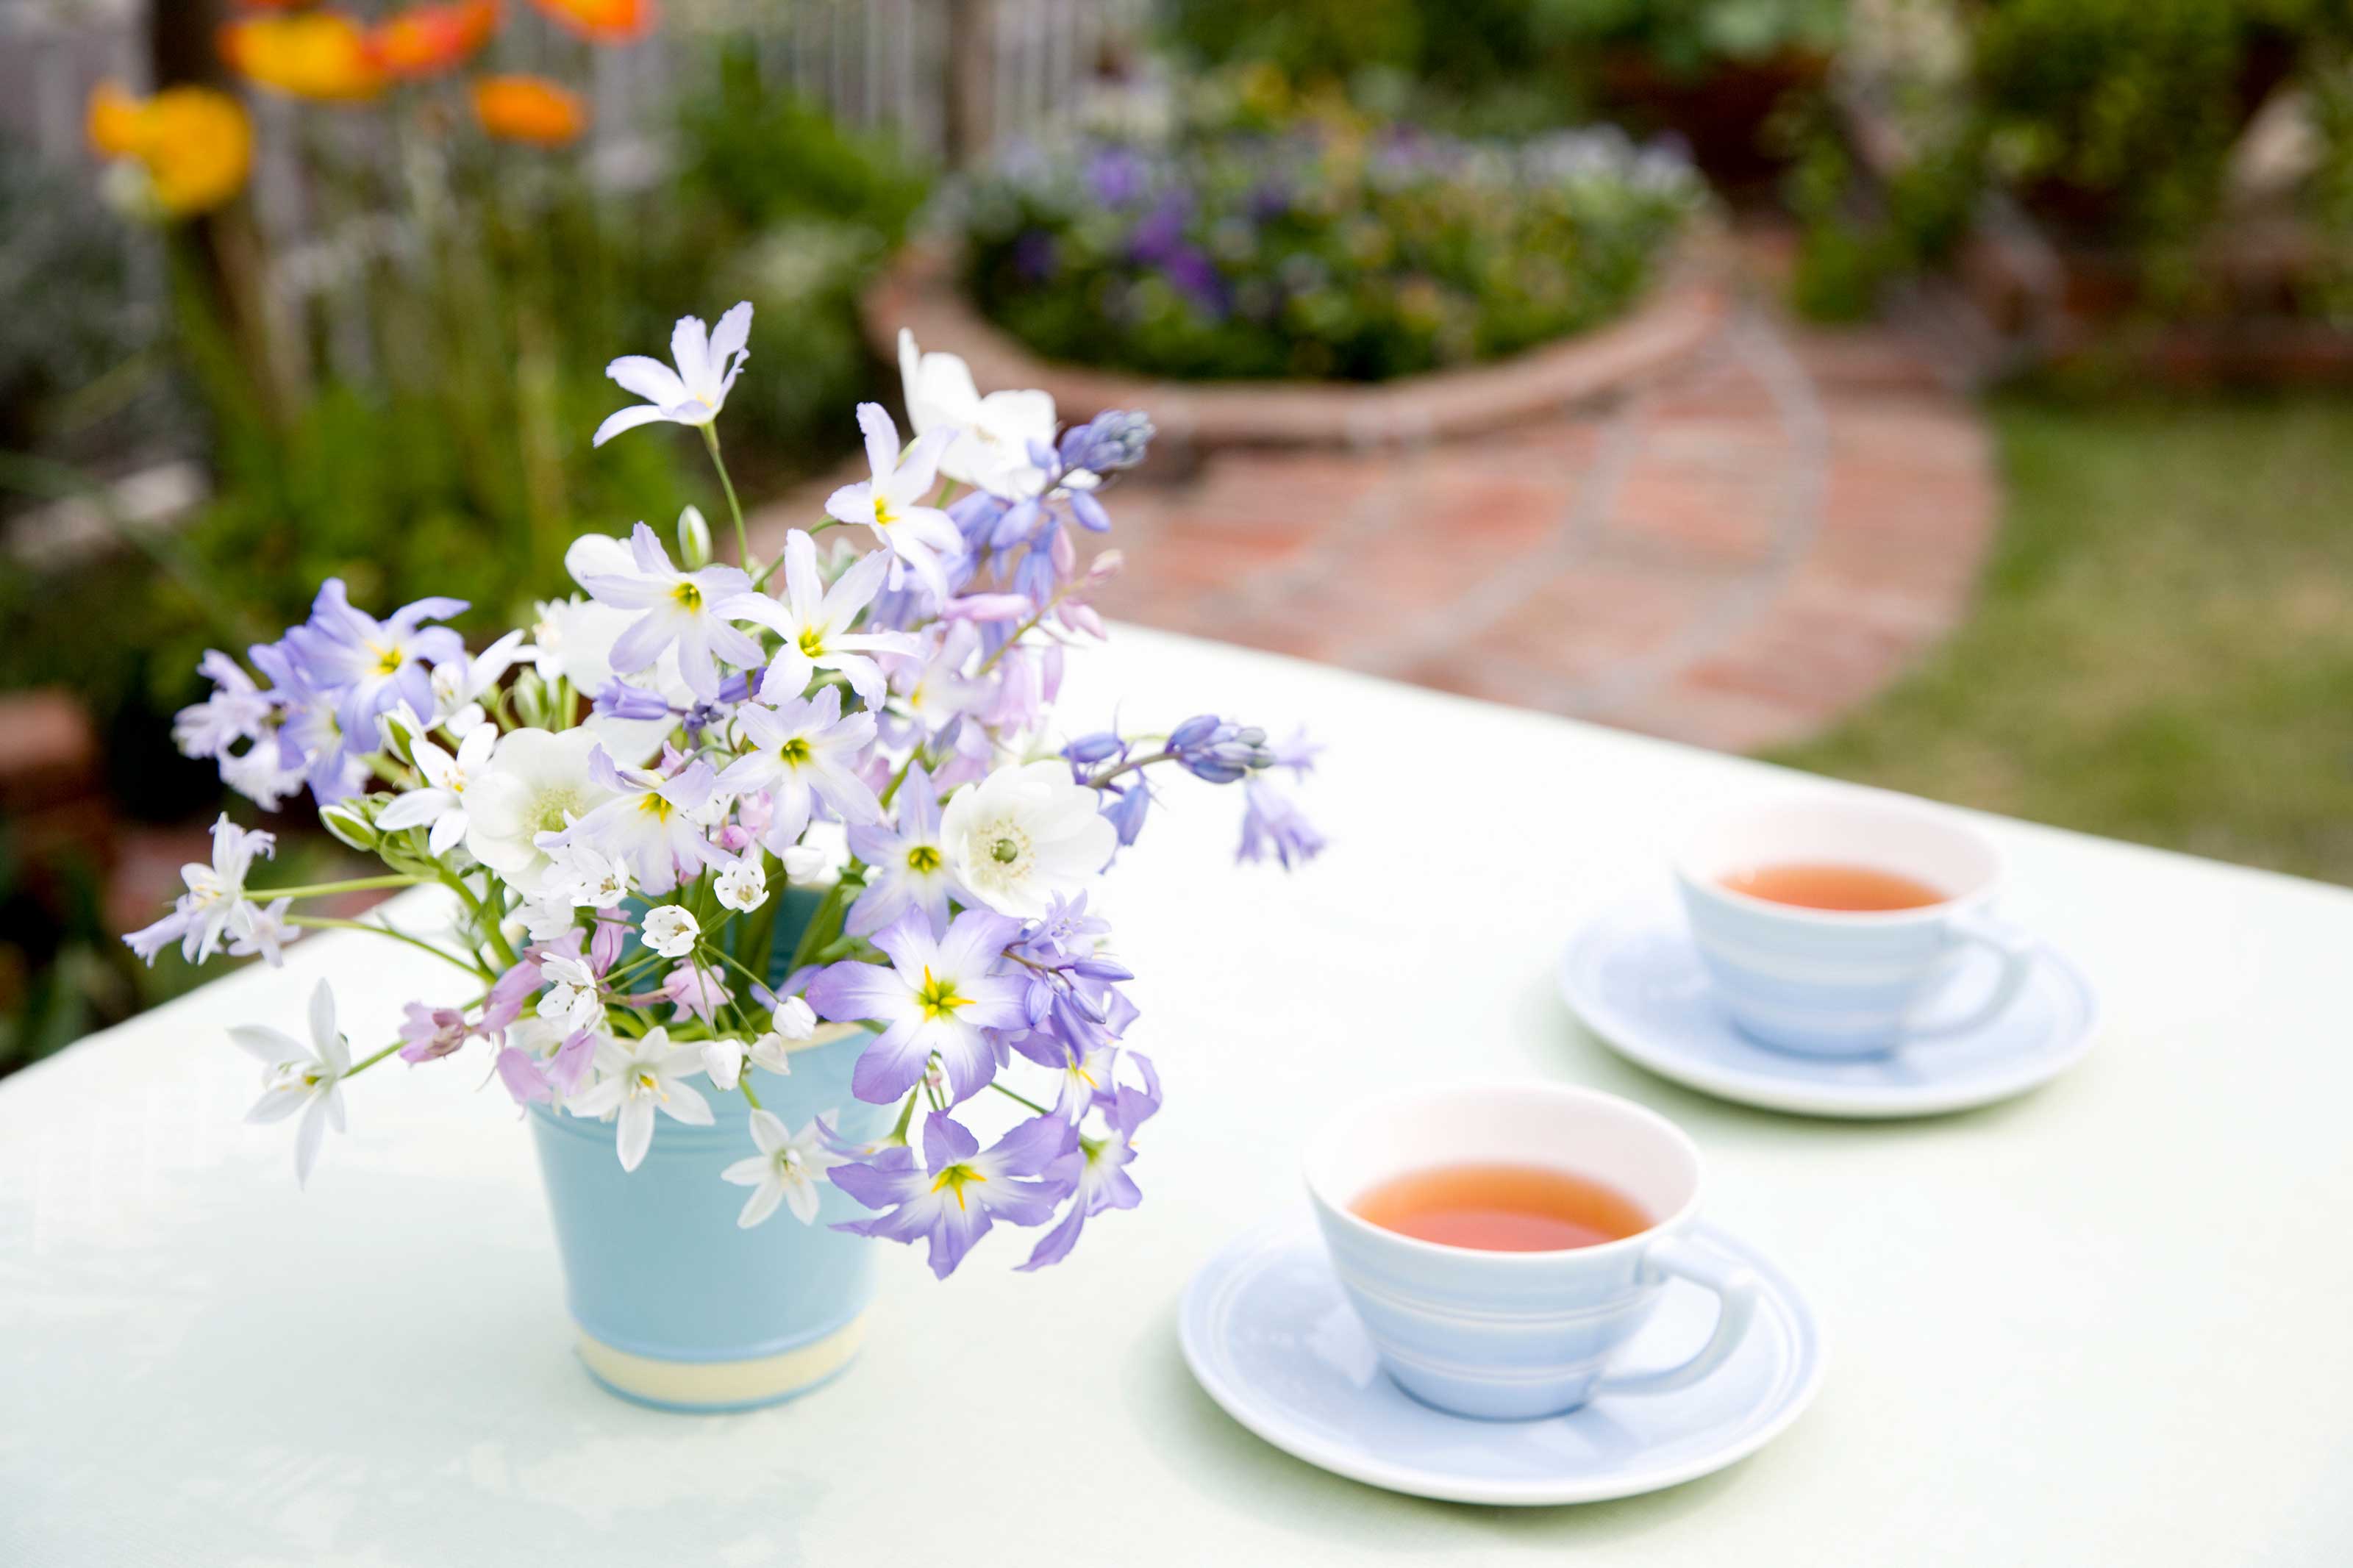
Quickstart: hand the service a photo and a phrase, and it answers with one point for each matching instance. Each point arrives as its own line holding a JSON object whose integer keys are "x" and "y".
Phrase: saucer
{"x": 1267, "y": 1331}
{"x": 1633, "y": 976}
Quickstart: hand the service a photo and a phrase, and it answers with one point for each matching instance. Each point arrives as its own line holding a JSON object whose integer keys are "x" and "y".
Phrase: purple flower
{"x": 1112, "y": 440}
{"x": 1036, "y": 256}
{"x": 938, "y": 994}
{"x": 695, "y": 610}
{"x": 1272, "y": 824}
{"x": 535, "y": 1080}
{"x": 650, "y": 822}
{"x": 802, "y": 752}
{"x": 431, "y": 1032}
{"x": 1209, "y": 748}
{"x": 909, "y": 867}
{"x": 1095, "y": 1171}
{"x": 372, "y": 665}
{"x": 953, "y": 1202}
{"x": 1116, "y": 176}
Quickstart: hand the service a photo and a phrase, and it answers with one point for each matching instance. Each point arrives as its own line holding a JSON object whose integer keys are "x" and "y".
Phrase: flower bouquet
{"x": 788, "y": 834}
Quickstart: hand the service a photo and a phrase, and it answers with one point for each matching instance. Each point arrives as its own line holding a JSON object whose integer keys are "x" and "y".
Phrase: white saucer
{"x": 1269, "y": 1335}
{"x": 1633, "y": 976}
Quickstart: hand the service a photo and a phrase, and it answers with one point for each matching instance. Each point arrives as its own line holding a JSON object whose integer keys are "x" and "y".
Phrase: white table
{"x": 2106, "y": 1323}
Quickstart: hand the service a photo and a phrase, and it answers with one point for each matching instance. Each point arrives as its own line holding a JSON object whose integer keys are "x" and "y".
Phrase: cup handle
{"x": 2016, "y": 950}
{"x": 1736, "y": 1289}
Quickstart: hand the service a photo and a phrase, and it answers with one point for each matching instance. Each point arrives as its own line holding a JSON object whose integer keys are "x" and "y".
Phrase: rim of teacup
{"x": 1702, "y": 879}
{"x": 1320, "y": 1147}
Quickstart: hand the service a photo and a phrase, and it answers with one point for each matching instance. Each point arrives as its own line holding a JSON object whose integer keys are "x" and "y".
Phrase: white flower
{"x": 638, "y": 1077}
{"x": 547, "y": 917}
{"x": 742, "y": 885}
{"x": 991, "y": 449}
{"x": 572, "y": 1002}
{"x": 816, "y": 624}
{"x": 214, "y": 906}
{"x": 708, "y": 361}
{"x": 672, "y": 930}
{"x": 539, "y": 782}
{"x": 266, "y": 932}
{"x": 804, "y": 862}
{"x": 891, "y": 503}
{"x": 308, "y": 1080}
{"x": 785, "y": 1171}
{"x": 235, "y": 711}
{"x": 769, "y": 1053}
{"x": 458, "y": 684}
{"x": 1024, "y": 834}
{"x": 795, "y": 1019}
{"x": 724, "y": 1062}
{"x": 442, "y": 802}
{"x": 583, "y": 876}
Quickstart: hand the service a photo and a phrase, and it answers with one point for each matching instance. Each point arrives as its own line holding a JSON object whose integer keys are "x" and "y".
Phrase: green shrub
{"x": 1319, "y": 249}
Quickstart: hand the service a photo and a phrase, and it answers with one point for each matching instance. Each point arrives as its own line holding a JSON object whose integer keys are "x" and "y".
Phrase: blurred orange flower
{"x": 426, "y": 40}
{"x": 193, "y": 144}
{"x": 317, "y": 54}
{"x": 603, "y": 21}
{"x": 528, "y": 109}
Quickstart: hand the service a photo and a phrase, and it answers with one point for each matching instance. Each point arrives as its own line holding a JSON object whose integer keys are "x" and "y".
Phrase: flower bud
{"x": 693, "y": 539}
{"x": 348, "y": 820}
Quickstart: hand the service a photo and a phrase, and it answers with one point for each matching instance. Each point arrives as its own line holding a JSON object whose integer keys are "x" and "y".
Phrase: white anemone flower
{"x": 1025, "y": 834}
{"x": 784, "y": 1172}
{"x": 707, "y": 362}
{"x": 635, "y": 1077}
{"x": 309, "y": 1079}
{"x": 442, "y": 802}
{"x": 893, "y": 502}
{"x": 991, "y": 449}
{"x": 539, "y": 782}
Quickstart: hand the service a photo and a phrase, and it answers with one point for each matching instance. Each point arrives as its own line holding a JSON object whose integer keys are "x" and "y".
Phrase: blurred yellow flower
{"x": 528, "y": 109}
{"x": 193, "y": 144}
{"x": 603, "y": 21}
{"x": 426, "y": 40}
{"x": 323, "y": 54}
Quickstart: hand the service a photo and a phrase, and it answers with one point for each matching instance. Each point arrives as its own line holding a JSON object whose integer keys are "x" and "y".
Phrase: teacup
{"x": 1516, "y": 1335}
{"x": 1842, "y": 983}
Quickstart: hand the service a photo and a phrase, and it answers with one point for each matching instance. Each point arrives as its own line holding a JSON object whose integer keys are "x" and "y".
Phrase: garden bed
{"x": 1686, "y": 306}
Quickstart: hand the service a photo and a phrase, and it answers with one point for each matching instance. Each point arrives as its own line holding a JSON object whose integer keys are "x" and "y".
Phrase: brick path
{"x": 1732, "y": 556}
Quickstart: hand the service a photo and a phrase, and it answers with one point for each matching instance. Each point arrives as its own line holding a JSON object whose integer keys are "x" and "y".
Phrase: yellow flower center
{"x": 922, "y": 857}
{"x": 954, "y": 1180}
{"x": 688, "y": 596}
{"x": 812, "y": 641}
{"x": 938, "y": 998}
{"x": 794, "y": 753}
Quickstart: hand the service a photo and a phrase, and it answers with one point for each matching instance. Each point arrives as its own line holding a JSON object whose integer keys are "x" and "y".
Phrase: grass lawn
{"x": 2163, "y": 645}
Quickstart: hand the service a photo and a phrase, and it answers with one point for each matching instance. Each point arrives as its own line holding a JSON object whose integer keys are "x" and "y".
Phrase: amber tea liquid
{"x": 1823, "y": 885}
{"x": 1502, "y": 1208}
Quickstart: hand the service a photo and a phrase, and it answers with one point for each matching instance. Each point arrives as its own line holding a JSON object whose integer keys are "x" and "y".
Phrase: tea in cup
{"x": 1829, "y": 924}
{"x": 1504, "y": 1242}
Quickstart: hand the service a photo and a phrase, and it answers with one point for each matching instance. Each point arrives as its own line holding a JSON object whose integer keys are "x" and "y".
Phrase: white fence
{"x": 881, "y": 64}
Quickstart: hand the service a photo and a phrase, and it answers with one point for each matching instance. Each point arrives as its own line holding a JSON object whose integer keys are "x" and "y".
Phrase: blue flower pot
{"x": 676, "y": 1306}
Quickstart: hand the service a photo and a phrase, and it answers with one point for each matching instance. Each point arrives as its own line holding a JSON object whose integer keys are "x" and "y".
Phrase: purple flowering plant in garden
{"x": 618, "y": 797}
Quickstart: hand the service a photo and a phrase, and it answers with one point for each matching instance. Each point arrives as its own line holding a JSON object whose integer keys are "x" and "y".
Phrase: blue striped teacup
{"x": 1837, "y": 983}
{"x": 1516, "y": 1335}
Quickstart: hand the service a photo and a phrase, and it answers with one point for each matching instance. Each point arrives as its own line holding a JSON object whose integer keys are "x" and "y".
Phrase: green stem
{"x": 906, "y": 1116}
{"x": 745, "y": 1083}
{"x": 823, "y": 927}
{"x": 1022, "y": 1097}
{"x": 321, "y": 922}
{"x": 320, "y": 889}
{"x": 366, "y": 1062}
{"x": 734, "y": 507}
{"x": 474, "y": 907}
